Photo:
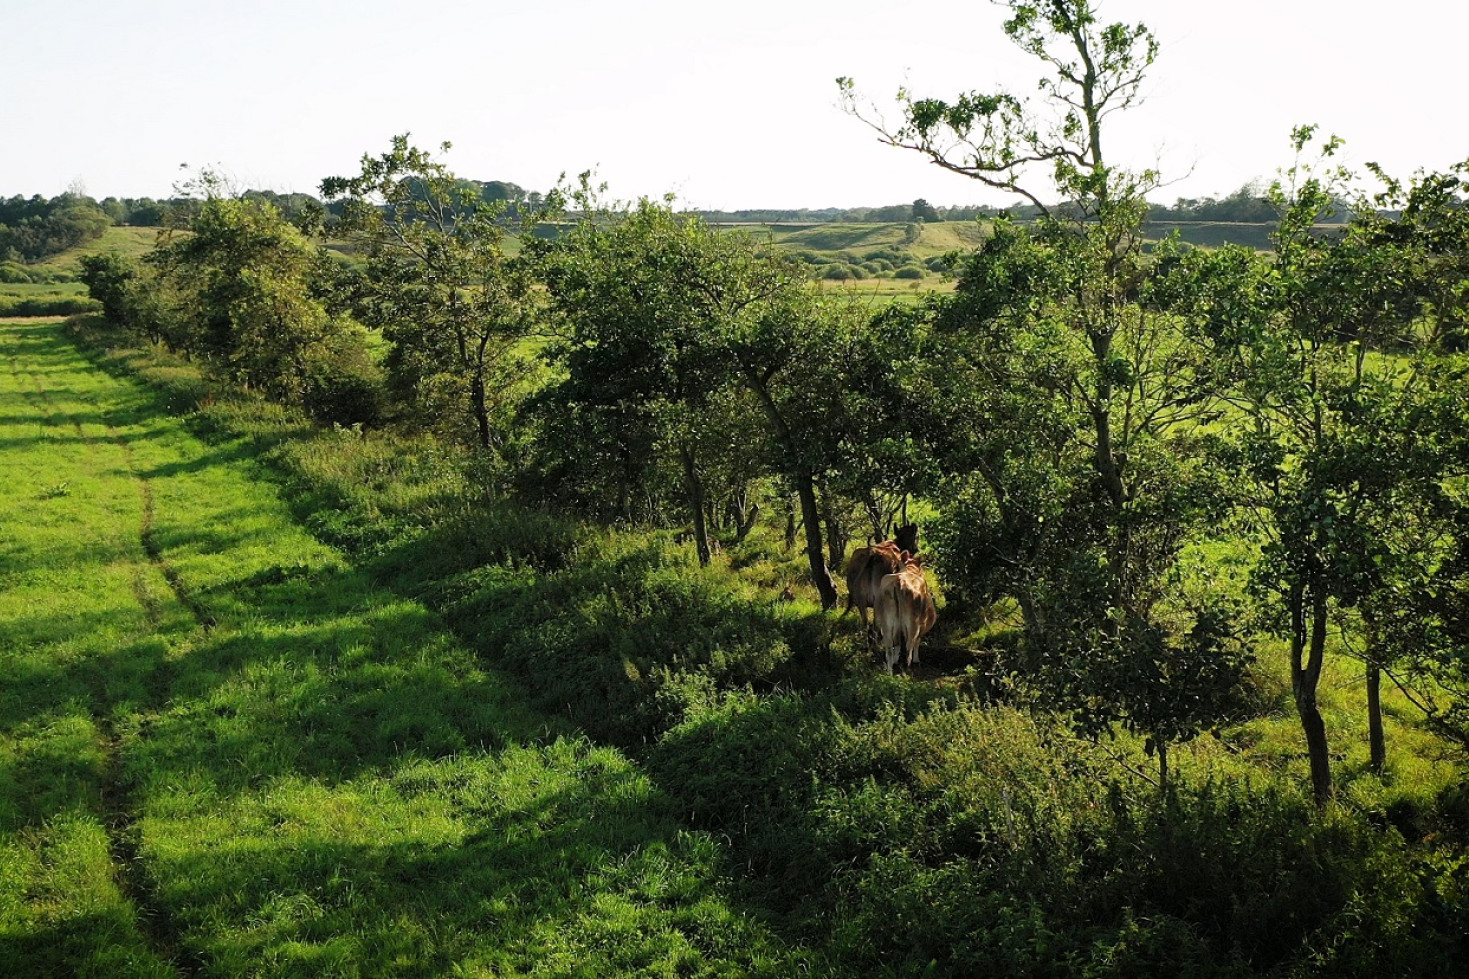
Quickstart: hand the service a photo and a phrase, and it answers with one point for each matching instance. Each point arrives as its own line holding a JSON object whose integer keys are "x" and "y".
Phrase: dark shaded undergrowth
{"x": 904, "y": 827}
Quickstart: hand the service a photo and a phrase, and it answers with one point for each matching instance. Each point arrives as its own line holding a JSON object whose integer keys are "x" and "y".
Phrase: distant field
{"x": 131, "y": 242}
{"x": 883, "y": 291}
{"x": 64, "y": 294}
{"x": 932, "y": 239}
{"x": 871, "y": 255}
{"x": 1213, "y": 234}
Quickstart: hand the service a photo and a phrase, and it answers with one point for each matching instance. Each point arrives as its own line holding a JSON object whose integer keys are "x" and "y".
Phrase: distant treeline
{"x": 34, "y": 228}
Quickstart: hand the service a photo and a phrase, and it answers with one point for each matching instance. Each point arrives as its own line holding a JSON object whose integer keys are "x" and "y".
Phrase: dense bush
{"x": 55, "y": 305}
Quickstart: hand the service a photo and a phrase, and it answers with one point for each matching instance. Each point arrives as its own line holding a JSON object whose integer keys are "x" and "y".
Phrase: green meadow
{"x": 225, "y": 751}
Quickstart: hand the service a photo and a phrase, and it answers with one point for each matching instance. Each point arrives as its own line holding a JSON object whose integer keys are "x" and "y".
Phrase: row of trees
{"x": 1125, "y": 403}
{"x": 36, "y": 227}
{"x": 1088, "y": 417}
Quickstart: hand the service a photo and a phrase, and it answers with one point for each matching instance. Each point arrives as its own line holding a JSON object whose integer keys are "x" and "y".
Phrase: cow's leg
{"x": 867, "y": 628}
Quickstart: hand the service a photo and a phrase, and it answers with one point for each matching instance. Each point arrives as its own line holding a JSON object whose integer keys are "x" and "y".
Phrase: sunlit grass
{"x": 225, "y": 748}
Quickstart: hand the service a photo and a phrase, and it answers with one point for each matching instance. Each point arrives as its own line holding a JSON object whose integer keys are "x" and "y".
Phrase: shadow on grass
{"x": 539, "y": 857}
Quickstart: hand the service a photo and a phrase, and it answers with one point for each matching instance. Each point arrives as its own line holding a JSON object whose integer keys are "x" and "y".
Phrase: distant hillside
{"x": 131, "y": 242}
{"x": 1213, "y": 234}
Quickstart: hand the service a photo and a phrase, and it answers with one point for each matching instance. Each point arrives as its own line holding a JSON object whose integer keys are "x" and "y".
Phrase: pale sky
{"x": 726, "y": 105}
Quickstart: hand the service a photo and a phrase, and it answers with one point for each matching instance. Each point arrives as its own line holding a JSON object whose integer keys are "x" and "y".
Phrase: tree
{"x": 1062, "y": 409}
{"x": 642, "y": 296}
{"x": 923, "y": 211}
{"x": 439, "y": 283}
{"x": 1350, "y": 447}
{"x": 242, "y": 295}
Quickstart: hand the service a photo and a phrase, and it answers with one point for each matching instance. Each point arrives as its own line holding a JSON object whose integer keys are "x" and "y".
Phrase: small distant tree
{"x": 112, "y": 281}
{"x": 924, "y": 211}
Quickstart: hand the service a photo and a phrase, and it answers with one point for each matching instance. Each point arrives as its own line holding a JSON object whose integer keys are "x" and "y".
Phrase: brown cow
{"x": 904, "y": 612}
{"x": 867, "y": 566}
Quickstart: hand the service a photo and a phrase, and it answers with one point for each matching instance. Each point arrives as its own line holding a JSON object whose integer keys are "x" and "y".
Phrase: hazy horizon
{"x": 726, "y": 109}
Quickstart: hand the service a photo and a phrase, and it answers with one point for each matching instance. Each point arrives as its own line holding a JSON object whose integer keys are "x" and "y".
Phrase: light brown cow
{"x": 867, "y": 566}
{"x": 904, "y": 612}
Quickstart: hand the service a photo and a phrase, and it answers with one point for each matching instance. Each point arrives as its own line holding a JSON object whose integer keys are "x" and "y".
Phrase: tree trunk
{"x": 1308, "y": 639}
{"x": 790, "y": 524}
{"x": 695, "y": 487}
{"x": 1163, "y": 768}
{"x": 1376, "y": 739}
{"x": 745, "y": 522}
{"x": 811, "y": 516}
{"x": 1035, "y": 630}
{"x": 836, "y": 540}
{"x": 481, "y": 410}
{"x": 875, "y": 514}
{"x": 805, "y": 483}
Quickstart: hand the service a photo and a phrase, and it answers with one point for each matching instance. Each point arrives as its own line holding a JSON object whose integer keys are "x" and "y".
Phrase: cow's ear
{"x": 920, "y": 558}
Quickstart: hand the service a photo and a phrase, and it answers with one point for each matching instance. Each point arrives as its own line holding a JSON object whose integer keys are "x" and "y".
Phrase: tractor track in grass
{"x": 157, "y": 927}
{"x": 148, "y": 535}
{"x": 116, "y": 809}
{"x": 123, "y": 843}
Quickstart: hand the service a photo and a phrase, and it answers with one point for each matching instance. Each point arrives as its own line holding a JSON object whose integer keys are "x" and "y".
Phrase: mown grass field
{"x": 226, "y": 752}
{"x": 131, "y": 242}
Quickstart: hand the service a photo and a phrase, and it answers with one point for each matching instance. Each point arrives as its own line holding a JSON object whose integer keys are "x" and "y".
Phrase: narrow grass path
{"x": 224, "y": 752}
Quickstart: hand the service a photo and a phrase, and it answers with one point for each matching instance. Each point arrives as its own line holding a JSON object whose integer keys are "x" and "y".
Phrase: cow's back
{"x": 865, "y": 571}
{"x": 905, "y": 612}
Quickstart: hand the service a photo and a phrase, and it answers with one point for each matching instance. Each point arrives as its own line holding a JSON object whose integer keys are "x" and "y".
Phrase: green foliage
{"x": 237, "y": 289}
{"x": 451, "y": 302}
{"x": 889, "y": 823}
{"x": 50, "y": 303}
{"x": 31, "y": 230}
{"x": 111, "y": 280}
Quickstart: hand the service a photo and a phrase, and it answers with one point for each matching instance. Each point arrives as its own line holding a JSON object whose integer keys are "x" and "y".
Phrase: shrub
{"x": 47, "y": 305}
{"x": 908, "y": 272}
{"x": 14, "y": 273}
{"x": 343, "y": 386}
